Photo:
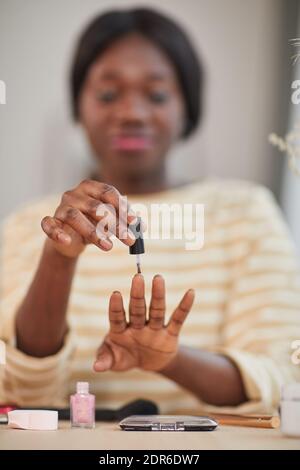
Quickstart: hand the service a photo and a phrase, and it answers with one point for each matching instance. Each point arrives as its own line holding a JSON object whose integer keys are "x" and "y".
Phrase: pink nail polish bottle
{"x": 82, "y": 406}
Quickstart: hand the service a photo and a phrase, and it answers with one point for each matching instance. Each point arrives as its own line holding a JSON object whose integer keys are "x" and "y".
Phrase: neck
{"x": 141, "y": 184}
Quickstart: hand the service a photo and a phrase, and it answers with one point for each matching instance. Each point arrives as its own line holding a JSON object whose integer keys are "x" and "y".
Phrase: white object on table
{"x": 290, "y": 409}
{"x": 37, "y": 420}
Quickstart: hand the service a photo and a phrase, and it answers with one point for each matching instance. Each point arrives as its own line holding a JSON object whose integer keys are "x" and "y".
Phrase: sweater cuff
{"x": 33, "y": 381}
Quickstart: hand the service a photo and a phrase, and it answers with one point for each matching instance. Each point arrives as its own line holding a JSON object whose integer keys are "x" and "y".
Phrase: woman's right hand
{"x": 74, "y": 223}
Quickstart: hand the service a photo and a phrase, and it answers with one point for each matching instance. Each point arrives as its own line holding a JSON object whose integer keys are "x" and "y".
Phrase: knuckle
{"x": 67, "y": 195}
{"x": 107, "y": 189}
{"x": 138, "y": 301}
{"x": 138, "y": 311}
{"x": 178, "y": 322}
{"x": 92, "y": 235}
{"x": 160, "y": 310}
{"x": 71, "y": 213}
{"x": 117, "y": 322}
{"x": 158, "y": 301}
{"x": 184, "y": 310}
{"x": 84, "y": 184}
{"x": 93, "y": 205}
{"x": 157, "y": 320}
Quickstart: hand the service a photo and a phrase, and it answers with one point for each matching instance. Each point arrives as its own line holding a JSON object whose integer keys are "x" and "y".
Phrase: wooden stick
{"x": 254, "y": 421}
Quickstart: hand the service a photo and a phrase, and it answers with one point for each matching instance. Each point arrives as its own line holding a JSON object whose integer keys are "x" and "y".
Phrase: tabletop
{"x": 108, "y": 436}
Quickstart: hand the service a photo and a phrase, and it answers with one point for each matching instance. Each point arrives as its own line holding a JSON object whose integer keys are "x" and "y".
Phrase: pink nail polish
{"x": 82, "y": 406}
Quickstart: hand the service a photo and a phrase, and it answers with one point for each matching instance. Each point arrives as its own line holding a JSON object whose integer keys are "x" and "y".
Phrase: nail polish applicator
{"x": 138, "y": 247}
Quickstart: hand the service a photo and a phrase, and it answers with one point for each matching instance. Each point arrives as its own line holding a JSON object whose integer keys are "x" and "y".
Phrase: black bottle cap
{"x": 138, "y": 247}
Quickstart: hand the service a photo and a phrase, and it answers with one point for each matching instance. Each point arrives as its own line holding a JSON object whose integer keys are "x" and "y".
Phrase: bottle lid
{"x": 82, "y": 387}
{"x": 138, "y": 247}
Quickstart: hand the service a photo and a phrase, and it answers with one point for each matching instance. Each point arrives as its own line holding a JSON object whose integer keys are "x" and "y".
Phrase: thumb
{"x": 104, "y": 360}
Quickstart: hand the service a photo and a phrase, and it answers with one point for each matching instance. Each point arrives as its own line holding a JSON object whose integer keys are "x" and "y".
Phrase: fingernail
{"x": 128, "y": 234}
{"x": 131, "y": 235}
{"x": 133, "y": 221}
{"x": 97, "y": 365}
{"x": 143, "y": 226}
{"x": 105, "y": 243}
{"x": 131, "y": 212}
{"x": 63, "y": 237}
{"x": 139, "y": 275}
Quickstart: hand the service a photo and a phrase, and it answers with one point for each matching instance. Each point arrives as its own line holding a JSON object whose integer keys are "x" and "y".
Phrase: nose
{"x": 132, "y": 110}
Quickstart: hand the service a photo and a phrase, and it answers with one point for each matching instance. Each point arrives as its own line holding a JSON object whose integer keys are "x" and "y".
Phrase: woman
{"x": 136, "y": 90}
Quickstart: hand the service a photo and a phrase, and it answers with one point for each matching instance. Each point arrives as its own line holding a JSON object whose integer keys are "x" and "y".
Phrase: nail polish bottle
{"x": 82, "y": 406}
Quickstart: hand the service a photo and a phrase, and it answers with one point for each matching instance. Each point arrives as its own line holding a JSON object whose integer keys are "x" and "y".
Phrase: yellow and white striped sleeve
{"x": 26, "y": 380}
{"x": 262, "y": 317}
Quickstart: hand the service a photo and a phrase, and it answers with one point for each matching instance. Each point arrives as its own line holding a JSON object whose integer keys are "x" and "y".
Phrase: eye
{"x": 159, "y": 97}
{"x": 106, "y": 96}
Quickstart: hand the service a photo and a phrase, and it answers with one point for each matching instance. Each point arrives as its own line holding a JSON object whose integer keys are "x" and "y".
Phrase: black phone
{"x": 168, "y": 423}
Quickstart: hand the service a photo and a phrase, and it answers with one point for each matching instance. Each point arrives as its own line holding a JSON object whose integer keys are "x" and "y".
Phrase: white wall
{"x": 41, "y": 151}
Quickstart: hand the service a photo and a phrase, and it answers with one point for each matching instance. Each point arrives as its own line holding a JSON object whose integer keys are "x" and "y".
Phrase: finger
{"x": 82, "y": 225}
{"x": 53, "y": 229}
{"x": 86, "y": 204}
{"x": 104, "y": 359}
{"x": 158, "y": 303}
{"x": 107, "y": 194}
{"x": 179, "y": 315}
{"x": 137, "y": 303}
{"x": 110, "y": 221}
{"x": 117, "y": 317}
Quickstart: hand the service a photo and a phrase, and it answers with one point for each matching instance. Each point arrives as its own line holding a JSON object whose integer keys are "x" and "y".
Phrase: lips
{"x": 131, "y": 143}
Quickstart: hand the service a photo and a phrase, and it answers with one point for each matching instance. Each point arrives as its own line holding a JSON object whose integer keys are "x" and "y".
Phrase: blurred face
{"x": 131, "y": 107}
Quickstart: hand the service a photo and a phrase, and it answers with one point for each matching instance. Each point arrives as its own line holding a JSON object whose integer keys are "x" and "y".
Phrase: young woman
{"x": 136, "y": 88}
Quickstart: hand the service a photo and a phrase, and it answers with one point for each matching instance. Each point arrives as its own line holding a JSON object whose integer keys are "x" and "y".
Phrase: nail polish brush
{"x": 138, "y": 247}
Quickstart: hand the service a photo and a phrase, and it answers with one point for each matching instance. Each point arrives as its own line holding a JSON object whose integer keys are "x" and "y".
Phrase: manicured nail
{"x": 131, "y": 212}
{"x": 140, "y": 275}
{"x": 64, "y": 237}
{"x": 127, "y": 234}
{"x": 105, "y": 243}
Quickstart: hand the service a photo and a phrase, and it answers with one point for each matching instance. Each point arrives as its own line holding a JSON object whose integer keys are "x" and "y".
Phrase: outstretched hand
{"x": 145, "y": 343}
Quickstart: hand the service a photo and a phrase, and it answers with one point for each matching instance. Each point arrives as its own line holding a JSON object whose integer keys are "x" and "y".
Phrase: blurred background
{"x": 244, "y": 45}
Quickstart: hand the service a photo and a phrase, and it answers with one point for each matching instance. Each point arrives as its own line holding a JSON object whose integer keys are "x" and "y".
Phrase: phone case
{"x": 168, "y": 423}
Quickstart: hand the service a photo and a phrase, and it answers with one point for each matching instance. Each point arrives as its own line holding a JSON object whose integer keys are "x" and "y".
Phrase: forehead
{"x": 133, "y": 56}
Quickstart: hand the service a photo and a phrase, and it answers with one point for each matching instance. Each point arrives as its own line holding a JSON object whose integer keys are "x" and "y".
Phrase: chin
{"x": 135, "y": 164}
{"x": 136, "y": 173}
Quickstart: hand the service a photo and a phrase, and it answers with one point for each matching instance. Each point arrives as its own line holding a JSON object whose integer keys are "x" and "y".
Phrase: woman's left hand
{"x": 148, "y": 344}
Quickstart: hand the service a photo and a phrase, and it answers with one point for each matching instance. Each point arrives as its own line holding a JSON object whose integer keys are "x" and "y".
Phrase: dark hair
{"x": 106, "y": 28}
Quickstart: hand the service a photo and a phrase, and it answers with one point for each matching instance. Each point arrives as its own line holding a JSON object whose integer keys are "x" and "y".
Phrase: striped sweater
{"x": 247, "y": 304}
